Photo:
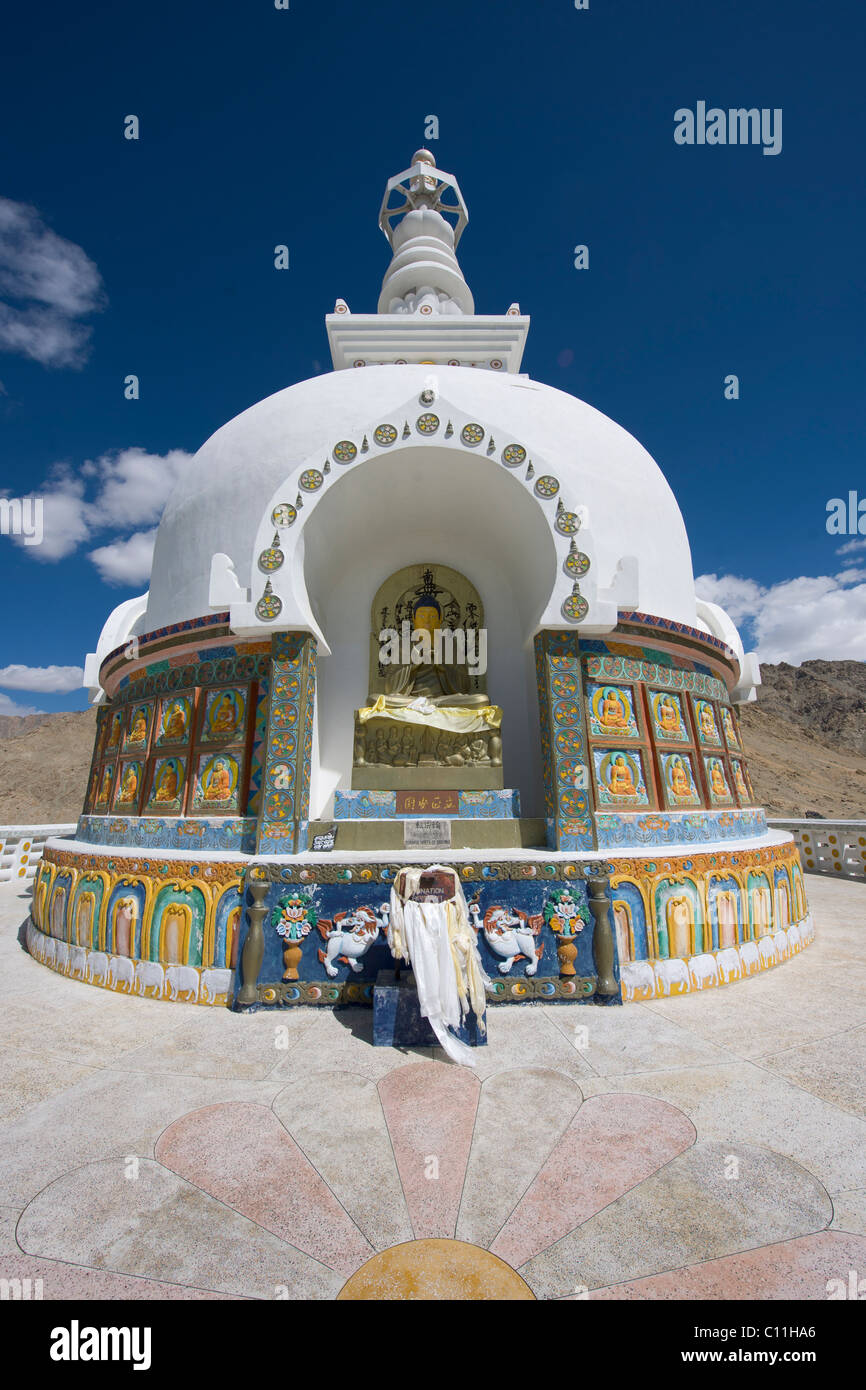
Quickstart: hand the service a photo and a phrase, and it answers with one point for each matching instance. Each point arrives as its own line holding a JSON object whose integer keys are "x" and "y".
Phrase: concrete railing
{"x": 834, "y": 847}
{"x": 21, "y": 847}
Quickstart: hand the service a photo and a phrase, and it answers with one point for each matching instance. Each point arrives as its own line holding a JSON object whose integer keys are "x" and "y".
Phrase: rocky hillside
{"x": 805, "y": 738}
{"x": 44, "y": 764}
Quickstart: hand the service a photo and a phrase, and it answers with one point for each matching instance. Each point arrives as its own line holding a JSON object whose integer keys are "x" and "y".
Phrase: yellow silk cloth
{"x": 456, "y": 718}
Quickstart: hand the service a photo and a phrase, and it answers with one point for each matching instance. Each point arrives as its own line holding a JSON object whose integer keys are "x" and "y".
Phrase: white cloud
{"x": 46, "y": 285}
{"x": 119, "y": 491}
{"x": 803, "y": 619}
{"x": 850, "y": 546}
{"x": 126, "y": 562}
{"x": 8, "y": 706}
{"x": 41, "y": 678}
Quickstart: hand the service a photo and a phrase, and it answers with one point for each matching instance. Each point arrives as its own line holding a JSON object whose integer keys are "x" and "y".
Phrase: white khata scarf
{"x": 439, "y": 944}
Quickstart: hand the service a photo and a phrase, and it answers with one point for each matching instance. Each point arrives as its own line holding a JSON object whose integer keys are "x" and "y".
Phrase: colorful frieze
{"x": 619, "y": 777}
{"x": 669, "y": 721}
{"x": 678, "y": 779}
{"x": 717, "y": 782}
{"x": 564, "y": 748}
{"x": 167, "y": 785}
{"x": 678, "y": 828}
{"x": 629, "y": 667}
{"x": 706, "y": 724}
{"x": 285, "y": 793}
{"x": 612, "y": 711}
{"x": 490, "y": 804}
{"x": 320, "y": 938}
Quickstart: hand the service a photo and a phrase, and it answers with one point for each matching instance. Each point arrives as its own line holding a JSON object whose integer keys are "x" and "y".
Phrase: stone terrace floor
{"x": 710, "y": 1146}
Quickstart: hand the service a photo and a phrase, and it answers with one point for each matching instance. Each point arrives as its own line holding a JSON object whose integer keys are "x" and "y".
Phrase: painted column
{"x": 285, "y": 803}
{"x": 565, "y": 757}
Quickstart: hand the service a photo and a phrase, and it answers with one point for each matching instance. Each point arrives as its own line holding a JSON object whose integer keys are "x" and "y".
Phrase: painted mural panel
{"x": 717, "y": 782}
{"x": 86, "y": 909}
{"x": 129, "y": 783}
{"x": 177, "y": 926}
{"x": 679, "y": 918}
{"x": 725, "y": 903}
{"x": 167, "y": 785}
{"x": 103, "y": 794}
{"x": 224, "y": 715}
{"x": 139, "y": 728}
{"x": 669, "y": 720}
{"x": 620, "y": 777}
{"x": 114, "y": 731}
{"x": 217, "y": 785}
{"x": 678, "y": 779}
{"x": 612, "y": 711}
{"x": 730, "y": 728}
{"x": 707, "y": 724}
{"x": 175, "y": 720}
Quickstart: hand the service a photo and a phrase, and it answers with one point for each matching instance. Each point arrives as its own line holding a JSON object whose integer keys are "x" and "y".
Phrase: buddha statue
{"x": 427, "y": 706}
{"x": 621, "y": 782}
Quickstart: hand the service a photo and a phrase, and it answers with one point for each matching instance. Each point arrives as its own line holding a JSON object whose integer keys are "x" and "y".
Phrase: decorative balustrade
{"x": 834, "y": 847}
{"x": 21, "y": 847}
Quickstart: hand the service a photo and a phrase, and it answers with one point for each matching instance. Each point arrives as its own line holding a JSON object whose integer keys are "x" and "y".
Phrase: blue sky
{"x": 262, "y": 126}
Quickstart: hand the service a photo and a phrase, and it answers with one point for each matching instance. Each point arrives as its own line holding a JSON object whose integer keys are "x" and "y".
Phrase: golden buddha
{"x": 138, "y": 732}
{"x": 680, "y": 785}
{"x": 614, "y": 714}
{"x": 175, "y": 722}
{"x": 717, "y": 780}
{"x": 218, "y": 784}
{"x": 621, "y": 782}
{"x": 669, "y": 717}
{"x": 129, "y": 787}
{"x": 708, "y": 723}
{"x": 166, "y": 788}
{"x": 224, "y": 717}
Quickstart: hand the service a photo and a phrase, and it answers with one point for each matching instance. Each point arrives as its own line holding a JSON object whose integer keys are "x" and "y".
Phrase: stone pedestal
{"x": 397, "y": 1020}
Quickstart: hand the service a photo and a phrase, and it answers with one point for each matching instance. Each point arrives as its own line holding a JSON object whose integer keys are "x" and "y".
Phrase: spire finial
{"x": 424, "y": 277}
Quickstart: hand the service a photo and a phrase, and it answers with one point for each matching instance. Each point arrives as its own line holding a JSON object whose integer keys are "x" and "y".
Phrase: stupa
{"x": 419, "y": 610}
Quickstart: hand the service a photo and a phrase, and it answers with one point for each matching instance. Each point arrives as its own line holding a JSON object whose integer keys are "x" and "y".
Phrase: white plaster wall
{"x": 217, "y": 505}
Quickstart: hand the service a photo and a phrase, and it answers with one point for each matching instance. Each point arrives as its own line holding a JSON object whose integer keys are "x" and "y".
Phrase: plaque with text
{"x": 427, "y": 834}
{"x": 445, "y": 803}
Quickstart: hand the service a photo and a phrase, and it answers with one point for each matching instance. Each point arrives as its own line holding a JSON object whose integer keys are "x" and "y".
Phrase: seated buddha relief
{"x": 428, "y": 705}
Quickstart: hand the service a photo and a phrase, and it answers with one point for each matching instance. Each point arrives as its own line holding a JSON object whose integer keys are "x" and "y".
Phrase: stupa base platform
{"x": 201, "y": 926}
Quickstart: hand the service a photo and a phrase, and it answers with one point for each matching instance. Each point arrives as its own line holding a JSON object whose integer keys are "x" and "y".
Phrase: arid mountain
{"x": 44, "y": 764}
{"x": 805, "y": 739}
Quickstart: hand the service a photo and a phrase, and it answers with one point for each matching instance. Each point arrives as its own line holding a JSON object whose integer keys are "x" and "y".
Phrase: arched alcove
{"x": 420, "y": 504}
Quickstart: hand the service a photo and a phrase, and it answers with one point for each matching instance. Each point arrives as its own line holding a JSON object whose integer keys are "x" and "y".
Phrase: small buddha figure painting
{"x": 139, "y": 722}
{"x": 670, "y": 726}
{"x": 619, "y": 777}
{"x": 717, "y": 779}
{"x": 611, "y": 711}
{"x": 175, "y": 720}
{"x": 223, "y": 716}
{"x": 104, "y": 793}
{"x": 705, "y": 718}
{"x": 679, "y": 780}
{"x": 729, "y": 728}
{"x": 128, "y": 786}
{"x": 216, "y": 783}
{"x": 166, "y": 789}
{"x": 743, "y": 792}
{"x": 114, "y": 728}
